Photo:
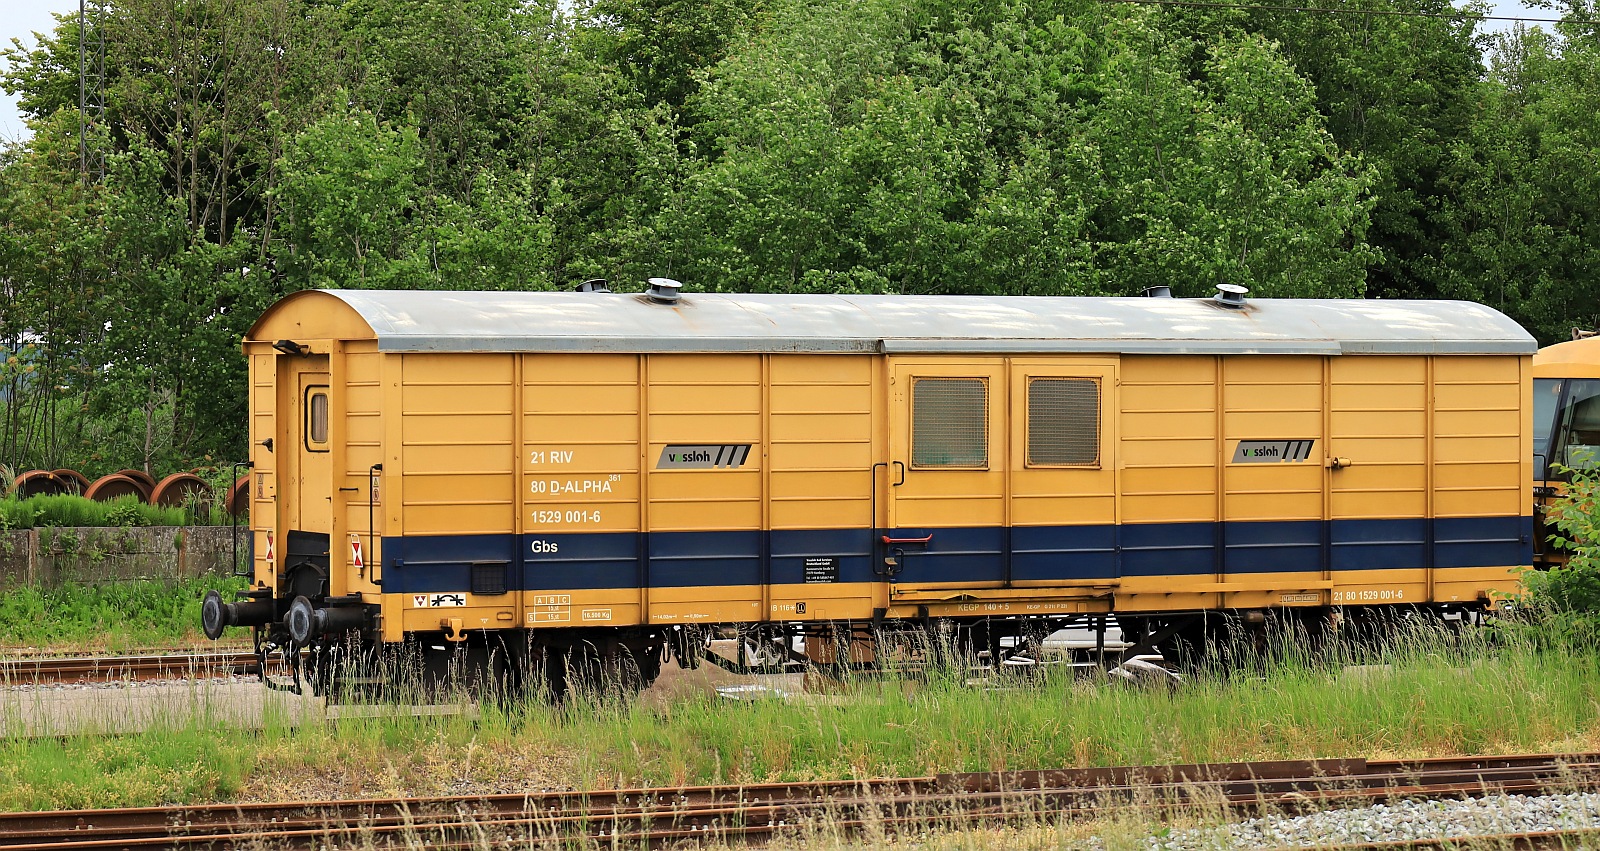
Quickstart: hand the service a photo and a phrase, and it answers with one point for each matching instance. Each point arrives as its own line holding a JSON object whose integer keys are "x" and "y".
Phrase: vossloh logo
{"x": 702, "y": 456}
{"x": 1273, "y": 451}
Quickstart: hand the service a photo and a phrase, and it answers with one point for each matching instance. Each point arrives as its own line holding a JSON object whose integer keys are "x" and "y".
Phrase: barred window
{"x": 1063, "y": 422}
{"x": 950, "y": 422}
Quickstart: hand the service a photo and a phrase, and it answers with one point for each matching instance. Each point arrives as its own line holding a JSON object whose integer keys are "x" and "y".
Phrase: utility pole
{"x": 91, "y": 86}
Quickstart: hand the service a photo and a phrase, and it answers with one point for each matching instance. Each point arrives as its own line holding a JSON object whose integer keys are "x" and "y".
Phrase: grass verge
{"x": 1430, "y": 696}
{"x": 115, "y": 617}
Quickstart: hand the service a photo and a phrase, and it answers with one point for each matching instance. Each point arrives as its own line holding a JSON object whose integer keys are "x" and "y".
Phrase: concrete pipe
{"x": 178, "y": 489}
{"x": 38, "y": 483}
{"x": 116, "y": 485}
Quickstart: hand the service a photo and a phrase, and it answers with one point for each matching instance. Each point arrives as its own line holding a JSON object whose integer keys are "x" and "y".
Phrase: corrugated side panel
{"x": 1272, "y": 520}
{"x": 703, "y": 454}
{"x": 820, "y": 444}
{"x": 1480, "y": 446}
{"x": 458, "y": 489}
{"x": 580, "y": 499}
{"x": 457, "y": 444}
{"x": 362, "y": 428}
{"x": 1377, "y": 418}
{"x": 1169, "y": 470}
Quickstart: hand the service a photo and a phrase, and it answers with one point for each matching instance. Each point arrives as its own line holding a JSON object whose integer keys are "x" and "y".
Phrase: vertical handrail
{"x": 876, "y": 529}
{"x": 372, "y": 526}
{"x": 233, "y": 520}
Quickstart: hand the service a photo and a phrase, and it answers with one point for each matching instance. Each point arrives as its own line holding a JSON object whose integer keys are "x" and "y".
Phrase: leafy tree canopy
{"x": 251, "y": 148}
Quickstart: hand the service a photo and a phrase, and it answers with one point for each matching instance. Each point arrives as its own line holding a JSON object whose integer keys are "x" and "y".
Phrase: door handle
{"x": 902, "y": 467}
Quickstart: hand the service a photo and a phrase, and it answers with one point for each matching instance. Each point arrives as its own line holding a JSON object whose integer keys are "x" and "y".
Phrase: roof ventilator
{"x": 1230, "y": 295}
{"x": 1160, "y": 291}
{"x": 593, "y": 285}
{"x": 664, "y": 290}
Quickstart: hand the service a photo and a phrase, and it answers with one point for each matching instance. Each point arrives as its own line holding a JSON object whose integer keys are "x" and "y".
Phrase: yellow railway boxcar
{"x": 615, "y": 477}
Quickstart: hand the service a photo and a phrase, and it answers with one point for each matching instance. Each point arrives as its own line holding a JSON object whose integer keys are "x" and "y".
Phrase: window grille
{"x": 950, "y": 422}
{"x": 1063, "y": 422}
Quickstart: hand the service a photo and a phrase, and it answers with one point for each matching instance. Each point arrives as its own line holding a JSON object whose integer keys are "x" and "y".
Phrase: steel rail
{"x": 69, "y": 669}
{"x": 648, "y": 817}
{"x": 1537, "y": 839}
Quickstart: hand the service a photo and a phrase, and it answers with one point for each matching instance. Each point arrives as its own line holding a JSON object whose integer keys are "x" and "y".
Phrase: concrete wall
{"x": 48, "y": 558}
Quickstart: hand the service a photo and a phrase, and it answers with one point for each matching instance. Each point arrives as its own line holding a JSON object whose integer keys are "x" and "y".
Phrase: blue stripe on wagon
{"x": 1380, "y": 544}
{"x": 568, "y": 561}
{"x": 1282, "y": 546}
{"x": 1046, "y": 553}
{"x": 791, "y": 548}
{"x": 688, "y": 559}
{"x": 1482, "y": 541}
{"x": 1169, "y": 549}
{"x": 417, "y": 564}
{"x": 579, "y": 561}
{"x": 952, "y": 555}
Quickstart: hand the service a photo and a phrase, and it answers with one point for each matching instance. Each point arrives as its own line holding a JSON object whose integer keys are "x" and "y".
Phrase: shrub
{"x": 1567, "y": 599}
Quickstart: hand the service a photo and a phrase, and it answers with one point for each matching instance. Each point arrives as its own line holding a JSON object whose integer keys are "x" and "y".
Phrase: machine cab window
{"x": 1546, "y": 404}
{"x": 1566, "y": 425}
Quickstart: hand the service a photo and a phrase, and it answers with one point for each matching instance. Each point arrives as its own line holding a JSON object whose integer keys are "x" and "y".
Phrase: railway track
{"x": 755, "y": 813}
{"x": 146, "y": 667}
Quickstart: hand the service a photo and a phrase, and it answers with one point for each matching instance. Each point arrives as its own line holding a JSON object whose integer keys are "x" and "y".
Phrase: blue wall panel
{"x": 1063, "y": 552}
{"x": 431, "y": 564}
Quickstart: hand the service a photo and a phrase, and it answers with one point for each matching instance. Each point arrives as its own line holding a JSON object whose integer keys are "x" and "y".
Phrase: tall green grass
{"x": 115, "y": 616}
{"x": 69, "y": 511}
{"x": 1428, "y": 694}
{"x": 185, "y": 763}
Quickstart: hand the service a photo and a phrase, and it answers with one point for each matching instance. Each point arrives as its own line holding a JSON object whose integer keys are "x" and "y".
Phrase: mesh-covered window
{"x": 950, "y": 422}
{"x": 317, "y": 418}
{"x": 1063, "y": 422}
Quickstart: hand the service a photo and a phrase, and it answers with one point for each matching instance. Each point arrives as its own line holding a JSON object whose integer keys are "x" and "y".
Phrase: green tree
{"x": 1400, "y": 90}
{"x": 663, "y": 46}
{"x": 450, "y": 69}
{"x": 967, "y": 148}
{"x": 52, "y": 273}
{"x": 1230, "y": 181}
{"x": 1525, "y": 226}
{"x": 353, "y": 209}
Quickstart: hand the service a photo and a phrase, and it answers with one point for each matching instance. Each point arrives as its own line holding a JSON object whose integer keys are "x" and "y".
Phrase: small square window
{"x": 1063, "y": 422}
{"x": 950, "y": 423}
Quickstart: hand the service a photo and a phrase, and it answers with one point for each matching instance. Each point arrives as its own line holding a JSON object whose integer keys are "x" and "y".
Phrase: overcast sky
{"x": 21, "y": 18}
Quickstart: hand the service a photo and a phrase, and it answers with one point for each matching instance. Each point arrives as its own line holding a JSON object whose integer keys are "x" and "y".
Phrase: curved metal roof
{"x": 1574, "y": 359}
{"x": 432, "y": 321}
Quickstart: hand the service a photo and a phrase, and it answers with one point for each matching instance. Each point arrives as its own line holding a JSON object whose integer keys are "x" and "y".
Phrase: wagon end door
{"x": 311, "y": 481}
